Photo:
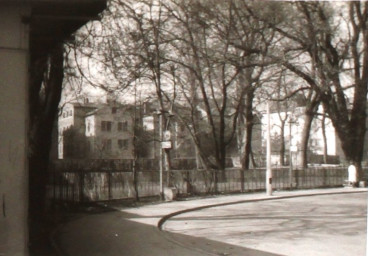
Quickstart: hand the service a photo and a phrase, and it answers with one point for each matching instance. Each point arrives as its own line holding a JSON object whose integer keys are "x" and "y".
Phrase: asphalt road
{"x": 329, "y": 225}
{"x": 316, "y": 225}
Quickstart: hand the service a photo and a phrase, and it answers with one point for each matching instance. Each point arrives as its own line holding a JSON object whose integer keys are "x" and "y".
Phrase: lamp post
{"x": 290, "y": 155}
{"x": 160, "y": 132}
{"x": 291, "y": 149}
{"x": 165, "y": 144}
{"x": 268, "y": 157}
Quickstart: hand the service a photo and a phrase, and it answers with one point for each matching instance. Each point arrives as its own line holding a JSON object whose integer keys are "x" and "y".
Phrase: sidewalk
{"x": 293, "y": 222}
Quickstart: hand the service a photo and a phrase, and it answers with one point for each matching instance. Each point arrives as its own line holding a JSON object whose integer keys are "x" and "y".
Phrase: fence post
{"x": 188, "y": 187}
{"x": 324, "y": 173}
{"x": 67, "y": 190}
{"x": 109, "y": 182}
{"x": 73, "y": 193}
{"x": 215, "y": 180}
{"x": 81, "y": 186}
{"x": 242, "y": 181}
{"x": 53, "y": 187}
{"x": 296, "y": 178}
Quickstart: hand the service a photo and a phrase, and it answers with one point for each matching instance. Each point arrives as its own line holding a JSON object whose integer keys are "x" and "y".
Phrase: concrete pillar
{"x": 13, "y": 130}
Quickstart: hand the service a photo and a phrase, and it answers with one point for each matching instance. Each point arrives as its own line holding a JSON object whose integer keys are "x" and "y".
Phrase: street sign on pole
{"x": 166, "y": 144}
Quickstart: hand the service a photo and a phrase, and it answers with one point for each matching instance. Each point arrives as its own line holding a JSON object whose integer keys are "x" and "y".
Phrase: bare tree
{"x": 253, "y": 39}
{"x": 332, "y": 46}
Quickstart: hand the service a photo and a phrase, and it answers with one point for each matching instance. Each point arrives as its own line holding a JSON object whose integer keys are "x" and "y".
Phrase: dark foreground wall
{"x": 13, "y": 130}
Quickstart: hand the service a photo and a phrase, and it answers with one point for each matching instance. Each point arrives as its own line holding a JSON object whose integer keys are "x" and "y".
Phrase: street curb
{"x": 162, "y": 221}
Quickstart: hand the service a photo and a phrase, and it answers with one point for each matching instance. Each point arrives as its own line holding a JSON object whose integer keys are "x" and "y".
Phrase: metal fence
{"x": 78, "y": 185}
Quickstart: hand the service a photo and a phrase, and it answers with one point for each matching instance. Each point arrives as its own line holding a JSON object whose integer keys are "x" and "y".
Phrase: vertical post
{"x": 161, "y": 158}
{"x": 167, "y": 167}
{"x": 290, "y": 158}
{"x": 366, "y": 250}
{"x": 269, "y": 170}
{"x": 215, "y": 177}
{"x": 81, "y": 186}
{"x": 196, "y": 155}
{"x": 109, "y": 184}
{"x": 54, "y": 187}
{"x": 242, "y": 180}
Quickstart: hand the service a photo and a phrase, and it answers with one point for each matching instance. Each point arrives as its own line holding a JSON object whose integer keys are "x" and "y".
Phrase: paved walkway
{"x": 313, "y": 222}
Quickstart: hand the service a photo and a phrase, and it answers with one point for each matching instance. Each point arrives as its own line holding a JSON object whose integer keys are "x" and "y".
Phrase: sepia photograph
{"x": 183, "y": 128}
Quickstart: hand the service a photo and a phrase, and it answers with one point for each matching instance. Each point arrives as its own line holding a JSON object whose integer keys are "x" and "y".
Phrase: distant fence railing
{"x": 90, "y": 185}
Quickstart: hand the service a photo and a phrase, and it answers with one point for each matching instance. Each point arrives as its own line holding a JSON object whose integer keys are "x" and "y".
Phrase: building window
{"x": 123, "y": 126}
{"x": 107, "y": 145}
{"x": 114, "y": 110}
{"x": 123, "y": 144}
{"x": 106, "y": 126}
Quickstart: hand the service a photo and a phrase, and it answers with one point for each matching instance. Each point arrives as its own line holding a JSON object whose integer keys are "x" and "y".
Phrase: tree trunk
{"x": 325, "y": 150}
{"x": 135, "y": 179}
{"x": 309, "y": 113}
{"x": 352, "y": 144}
{"x": 282, "y": 143}
{"x": 305, "y": 138}
{"x": 44, "y": 101}
{"x": 43, "y": 112}
{"x": 222, "y": 146}
{"x": 249, "y": 123}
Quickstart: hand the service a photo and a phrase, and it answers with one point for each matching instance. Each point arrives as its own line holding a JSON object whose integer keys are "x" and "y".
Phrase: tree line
{"x": 211, "y": 63}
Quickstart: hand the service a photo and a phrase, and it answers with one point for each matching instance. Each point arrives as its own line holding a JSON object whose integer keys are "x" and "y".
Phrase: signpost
{"x": 269, "y": 170}
{"x": 166, "y": 144}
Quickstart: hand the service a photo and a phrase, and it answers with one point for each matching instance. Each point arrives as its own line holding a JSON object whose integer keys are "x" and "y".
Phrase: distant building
{"x": 96, "y": 130}
{"x": 109, "y": 131}
{"x": 72, "y": 117}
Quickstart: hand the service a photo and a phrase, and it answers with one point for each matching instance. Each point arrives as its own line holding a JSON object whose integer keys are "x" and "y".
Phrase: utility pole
{"x": 161, "y": 158}
{"x": 290, "y": 156}
{"x": 269, "y": 170}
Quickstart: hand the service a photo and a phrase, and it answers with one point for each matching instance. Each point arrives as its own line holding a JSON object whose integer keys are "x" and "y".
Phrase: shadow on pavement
{"x": 112, "y": 234}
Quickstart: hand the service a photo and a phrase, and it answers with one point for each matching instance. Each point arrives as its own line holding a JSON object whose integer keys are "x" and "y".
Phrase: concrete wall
{"x": 13, "y": 131}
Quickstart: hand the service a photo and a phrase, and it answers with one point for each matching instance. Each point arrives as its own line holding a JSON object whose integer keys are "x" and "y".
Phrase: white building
{"x": 96, "y": 130}
{"x": 72, "y": 115}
